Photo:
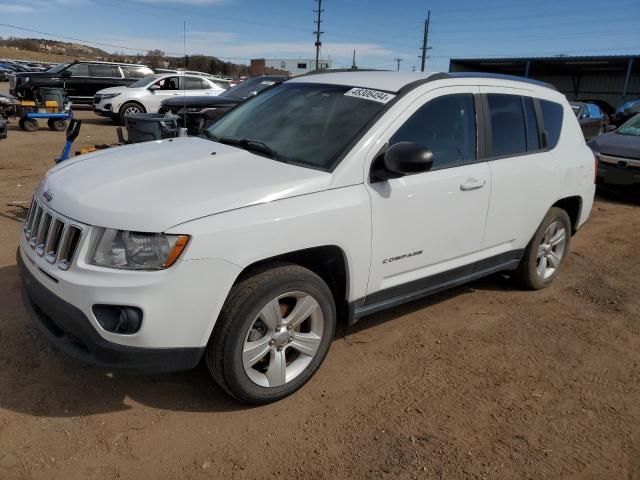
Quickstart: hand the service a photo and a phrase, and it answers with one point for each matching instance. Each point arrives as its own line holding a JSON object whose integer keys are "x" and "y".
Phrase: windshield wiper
{"x": 251, "y": 145}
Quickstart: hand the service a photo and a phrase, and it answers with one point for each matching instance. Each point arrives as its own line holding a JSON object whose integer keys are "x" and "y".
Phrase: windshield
{"x": 58, "y": 68}
{"x": 305, "y": 124}
{"x": 246, "y": 88}
{"x": 143, "y": 82}
{"x": 632, "y": 127}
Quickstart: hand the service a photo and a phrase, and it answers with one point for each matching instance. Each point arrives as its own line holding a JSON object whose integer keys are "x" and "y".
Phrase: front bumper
{"x": 71, "y": 331}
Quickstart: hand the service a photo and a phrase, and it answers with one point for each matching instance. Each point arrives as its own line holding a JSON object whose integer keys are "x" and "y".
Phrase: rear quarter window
{"x": 552, "y": 116}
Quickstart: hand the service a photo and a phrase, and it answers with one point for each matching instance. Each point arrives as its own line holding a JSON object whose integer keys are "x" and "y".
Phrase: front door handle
{"x": 472, "y": 184}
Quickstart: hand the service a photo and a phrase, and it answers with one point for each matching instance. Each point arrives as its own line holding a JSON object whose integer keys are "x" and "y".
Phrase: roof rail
{"x": 497, "y": 76}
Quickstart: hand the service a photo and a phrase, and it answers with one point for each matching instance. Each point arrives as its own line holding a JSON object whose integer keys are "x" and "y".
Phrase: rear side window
{"x": 552, "y": 120}
{"x": 445, "y": 125}
{"x": 98, "y": 70}
{"x": 508, "y": 127}
{"x": 194, "y": 83}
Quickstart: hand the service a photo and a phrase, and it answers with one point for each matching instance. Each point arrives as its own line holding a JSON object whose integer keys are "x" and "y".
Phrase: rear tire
{"x": 130, "y": 108}
{"x": 56, "y": 125}
{"x": 546, "y": 251}
{"x": 272, "y": 334}
{"x": 28, "y": 124}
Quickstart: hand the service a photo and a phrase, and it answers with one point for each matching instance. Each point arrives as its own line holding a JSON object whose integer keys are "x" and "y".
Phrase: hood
{"x": 114, "y": 90}
{"x": 201, "y": 101}
{"x": 617, "y": 145}
{"x": 153, "y": 186}
{"x": 36, "y": 74}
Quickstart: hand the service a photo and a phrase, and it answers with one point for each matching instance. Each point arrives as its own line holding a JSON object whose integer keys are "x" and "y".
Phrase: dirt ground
{"x": 484, "y": 381}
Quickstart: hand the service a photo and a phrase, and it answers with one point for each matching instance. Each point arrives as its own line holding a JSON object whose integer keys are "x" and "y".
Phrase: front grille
{"x": 52, "y": 236}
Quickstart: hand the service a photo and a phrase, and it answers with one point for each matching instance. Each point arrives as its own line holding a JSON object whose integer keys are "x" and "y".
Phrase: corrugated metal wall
{"x": 603, "y": 85}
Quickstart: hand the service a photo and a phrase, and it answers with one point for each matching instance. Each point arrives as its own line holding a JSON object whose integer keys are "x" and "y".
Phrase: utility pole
{"x": 353, "y": 65}
{"x": 397, "y": 60}
{"x": 425, "y": 41}
{"x": 318, "y": 32}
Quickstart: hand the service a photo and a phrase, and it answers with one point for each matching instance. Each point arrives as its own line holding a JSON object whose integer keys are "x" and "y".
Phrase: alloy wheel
{"x": 283, "y": 339}
{"x": 551, "y": 250}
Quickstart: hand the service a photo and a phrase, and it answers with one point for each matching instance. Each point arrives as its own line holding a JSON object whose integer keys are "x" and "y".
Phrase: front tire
{"x": 273, "y": 333}
{"x": 130, "y": 108}
{"x": 546, "y": 251}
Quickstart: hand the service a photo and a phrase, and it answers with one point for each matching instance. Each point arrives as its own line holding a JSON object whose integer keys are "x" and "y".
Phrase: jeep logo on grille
{"x": 48, "y": 195}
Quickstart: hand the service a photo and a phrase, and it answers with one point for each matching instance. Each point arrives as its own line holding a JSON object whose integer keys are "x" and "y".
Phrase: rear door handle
{"x": 472, "y": 184}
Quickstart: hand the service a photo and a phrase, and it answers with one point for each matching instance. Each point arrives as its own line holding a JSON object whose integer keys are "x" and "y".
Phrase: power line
{"x": 318, "y": 32}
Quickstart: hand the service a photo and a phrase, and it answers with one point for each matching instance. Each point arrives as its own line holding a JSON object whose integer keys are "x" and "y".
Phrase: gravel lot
{"x": 484, "y": 381}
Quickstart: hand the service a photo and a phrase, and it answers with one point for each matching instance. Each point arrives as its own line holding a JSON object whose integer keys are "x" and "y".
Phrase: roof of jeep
{"x": 396, "y": 81}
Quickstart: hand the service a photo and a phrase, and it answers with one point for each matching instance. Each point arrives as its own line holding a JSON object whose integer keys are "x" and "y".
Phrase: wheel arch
{"x": 127, "y": 102}
{"x": 329, "y": 262}
{"x": 573, "y": 206}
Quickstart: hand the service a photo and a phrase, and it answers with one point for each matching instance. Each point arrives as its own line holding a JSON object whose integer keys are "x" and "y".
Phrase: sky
{"x": 379, "y": 30}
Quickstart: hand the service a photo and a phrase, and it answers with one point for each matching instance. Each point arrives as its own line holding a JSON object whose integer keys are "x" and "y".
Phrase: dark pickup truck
{"x": 81, "y": 80}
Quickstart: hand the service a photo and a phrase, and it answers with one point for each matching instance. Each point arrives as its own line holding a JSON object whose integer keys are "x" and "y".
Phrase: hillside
{"x": 10, "y": 52}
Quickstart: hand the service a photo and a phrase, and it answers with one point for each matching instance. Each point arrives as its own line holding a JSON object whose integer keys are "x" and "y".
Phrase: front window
{"x": 58, "y": 68}
{"x": 446, "y": 126}
{"x": 632, "y": 127}
{"x": 304, "y": 124}
{"x": 144, "y": 82}
{"x": 249, "y": 87}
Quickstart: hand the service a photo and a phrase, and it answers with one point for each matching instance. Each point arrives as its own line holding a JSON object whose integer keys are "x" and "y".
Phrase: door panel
{"x": 169, "y": 88}
{"x": 431, "y": 222}
{"x": 428, "y": 223}
{"x": 523, "y": 188}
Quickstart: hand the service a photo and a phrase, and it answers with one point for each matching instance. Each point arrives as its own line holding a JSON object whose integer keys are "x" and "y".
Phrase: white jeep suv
{"x": 327, "y": 197}
{"x": 146, "y": 95}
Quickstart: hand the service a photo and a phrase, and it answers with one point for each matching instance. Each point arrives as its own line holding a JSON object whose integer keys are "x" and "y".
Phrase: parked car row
{"x": 146, "y": 94}
{"x": 8, "y": 67}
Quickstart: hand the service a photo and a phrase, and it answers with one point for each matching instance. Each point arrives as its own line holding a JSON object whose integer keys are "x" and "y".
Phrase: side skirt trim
{"x": 423, "y": 287}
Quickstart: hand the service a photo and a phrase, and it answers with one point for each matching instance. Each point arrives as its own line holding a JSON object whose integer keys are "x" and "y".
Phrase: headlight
{"x": 107, "y": 96}
{"x": 136, "y": 250}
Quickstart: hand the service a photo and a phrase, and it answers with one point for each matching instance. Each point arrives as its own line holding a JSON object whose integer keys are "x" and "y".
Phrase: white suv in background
{"x": 327, "y": 197}
{"x": 145, "y": 95}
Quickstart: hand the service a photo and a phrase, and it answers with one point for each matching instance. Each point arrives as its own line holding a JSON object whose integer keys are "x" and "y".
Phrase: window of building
{"x": 302, "y": 65}
{"x": 445, "y": 125}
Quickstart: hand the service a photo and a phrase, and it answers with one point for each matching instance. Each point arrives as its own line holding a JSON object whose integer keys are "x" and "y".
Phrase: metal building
{"x": 613, "y": 79}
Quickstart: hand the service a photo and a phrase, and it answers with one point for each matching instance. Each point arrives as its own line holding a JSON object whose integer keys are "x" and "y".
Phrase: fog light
{"x": 118, "y": 319}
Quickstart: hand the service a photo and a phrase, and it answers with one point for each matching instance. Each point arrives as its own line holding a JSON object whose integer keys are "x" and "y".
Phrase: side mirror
{"x": 154, "y": 87}
{"x": 65, "y": 74}
{"x": 402, "y": 158}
